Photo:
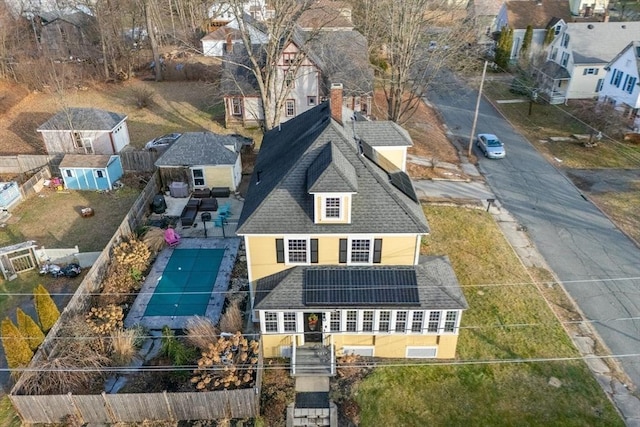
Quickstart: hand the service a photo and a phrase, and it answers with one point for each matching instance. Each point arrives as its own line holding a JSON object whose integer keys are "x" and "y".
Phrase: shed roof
{"x": 86, "y": 161}
{"x": 202, "y": 148}
{"x": 85, "y": 119}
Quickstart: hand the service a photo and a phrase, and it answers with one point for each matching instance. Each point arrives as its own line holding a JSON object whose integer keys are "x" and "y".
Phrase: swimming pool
{"x": 184, "y": 289}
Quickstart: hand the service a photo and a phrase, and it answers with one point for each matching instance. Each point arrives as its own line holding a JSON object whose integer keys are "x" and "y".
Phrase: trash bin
{"x": 159, "y": 204}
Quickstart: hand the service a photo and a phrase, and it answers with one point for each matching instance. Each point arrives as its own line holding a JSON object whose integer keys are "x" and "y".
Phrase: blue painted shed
{"x": 90, "y": 171}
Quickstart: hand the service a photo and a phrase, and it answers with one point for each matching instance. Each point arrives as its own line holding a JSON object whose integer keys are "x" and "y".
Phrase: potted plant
{"x": 312, "y": 321}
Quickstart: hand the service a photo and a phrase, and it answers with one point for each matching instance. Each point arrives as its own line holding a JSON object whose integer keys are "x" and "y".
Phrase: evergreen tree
{"x": 47, "y": 311}
{"x": 526, "y": 43}
{"x": 551, "y": 34}
{"x": 503, "y": 50}
{"x": 16, "y": 349}
{"x": 29, "y": 329}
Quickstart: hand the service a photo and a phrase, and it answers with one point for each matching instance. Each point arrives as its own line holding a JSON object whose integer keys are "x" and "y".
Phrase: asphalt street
{"x": 598, "y": 265}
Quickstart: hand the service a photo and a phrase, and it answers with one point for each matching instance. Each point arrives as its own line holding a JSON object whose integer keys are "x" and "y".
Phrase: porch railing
{"x": 327, "y": 341}
{"x": 293, "y": 355}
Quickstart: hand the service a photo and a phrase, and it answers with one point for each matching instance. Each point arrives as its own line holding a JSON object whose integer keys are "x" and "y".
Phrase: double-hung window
{"x": 331, "y": 208}
{"x": 236, "y": 106}
{"x": 270, "y": 321}
{"x": 384, "y": 321}
{"x": 360, "y": 251}
{"x": 367, "y": 321}
{"x": 289, "y": 322}
{"x": 334, "y": 324}
{"x": 434, "y": 321}
{"x": 565, "y": 59}
{"x": 416, "y": 321}
{"x": 297, "y": 251}
{"x": 99, "y": 173}
{"x": 630, "y": 83}
{"x": 401, "y": 321}
{"x": 616, "y": 78}
{"x": 450, "y": 321}
{"x": 352, "y": 321}
{"x": 290, "y": 108}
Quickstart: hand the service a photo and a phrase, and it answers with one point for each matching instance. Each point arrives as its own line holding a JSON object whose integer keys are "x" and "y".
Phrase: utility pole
{"x": 475, "y": 116}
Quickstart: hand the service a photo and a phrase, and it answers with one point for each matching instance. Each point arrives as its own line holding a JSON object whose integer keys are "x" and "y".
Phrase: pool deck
{"x": 218, "y": 294}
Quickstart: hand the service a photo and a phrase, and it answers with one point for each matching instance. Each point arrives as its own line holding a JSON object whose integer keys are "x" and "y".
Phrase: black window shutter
{"x": 343, "y": 251}
{"x": 280, "y": 250}
{"x": 377, "y": 251}
{"x": 314, "y": 251}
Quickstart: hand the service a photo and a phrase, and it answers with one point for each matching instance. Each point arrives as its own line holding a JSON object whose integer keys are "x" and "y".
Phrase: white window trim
{"x": 420, "y": 347}
{"x": 371, "y": 244}
{"x": 193, "y": 177}
{"x": 280, "y": 323}
{"x": 286, "y": 250}
{"x": 97, "y": 171}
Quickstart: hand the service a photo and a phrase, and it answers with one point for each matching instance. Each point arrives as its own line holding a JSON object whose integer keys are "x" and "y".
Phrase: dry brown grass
{"x": 154, "y": 239}
{"x": 201, "y": 332}
{"x": 123, "y": 346}
{"x": 231, "y": 320}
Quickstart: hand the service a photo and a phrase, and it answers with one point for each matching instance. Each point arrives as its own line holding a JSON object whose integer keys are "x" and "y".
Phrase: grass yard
{"x": 53, "y": 219}
{"x": 508, "y": 320}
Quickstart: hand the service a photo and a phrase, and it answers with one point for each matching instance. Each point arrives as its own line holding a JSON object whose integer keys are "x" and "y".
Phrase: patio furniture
{"x": 220, "y": 192}
{"x": 188, "y": 216}
{"x": 171, "y": 237}
{"x": 179, "y": 189}
{"x": 201, "y": 193}
{"x": 225, "y": 210}
{"x": 209, "y": 204}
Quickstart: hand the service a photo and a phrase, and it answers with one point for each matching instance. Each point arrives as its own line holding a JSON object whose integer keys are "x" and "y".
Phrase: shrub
{"x": 201, "y": 332}
{"x": 132, "y": 254}
{"x": 231, "y": 320}
{"x": 29, "y": 329}
{"x": 104, "y": 320}
{"x": 124, "y": 345}
{"x": 142, "y": 96}
{"x": 154, "y": 239}
{"x": 16, "y": 348}
{"x": 229, "y": 363}
{"x": 48, "y": 313}
{"x": 179, "y": 353}
{"x": 278, "y": 390}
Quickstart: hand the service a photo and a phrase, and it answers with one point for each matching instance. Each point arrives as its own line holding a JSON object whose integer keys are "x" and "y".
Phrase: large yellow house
{"x": 332, "y": 228}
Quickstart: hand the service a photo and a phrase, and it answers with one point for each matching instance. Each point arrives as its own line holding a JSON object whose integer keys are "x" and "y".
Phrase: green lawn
{"x": 491, "y": 394}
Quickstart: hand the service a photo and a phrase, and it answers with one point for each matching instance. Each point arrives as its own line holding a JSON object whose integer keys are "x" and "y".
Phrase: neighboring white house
{"x": 621, "y": 85}
{"x": 482, "y": 14}
{"x": 542, "y": 15}
{"x": 221, "y": 12}
{"x": 588, "y": 7}
{"x": 575, "y": 67}
{"x": 223, "y": 40}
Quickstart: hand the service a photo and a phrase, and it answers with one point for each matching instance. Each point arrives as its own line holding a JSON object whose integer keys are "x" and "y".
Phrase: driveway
{"x": 597, "y": 264}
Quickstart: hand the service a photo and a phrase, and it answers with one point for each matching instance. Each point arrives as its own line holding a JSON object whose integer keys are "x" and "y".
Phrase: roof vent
{"x": 624, "y": 26}
{"x": 590, "y": 26}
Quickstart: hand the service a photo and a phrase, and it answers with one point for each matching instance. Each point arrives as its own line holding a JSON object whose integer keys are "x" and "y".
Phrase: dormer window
{"x": 332, "y": 208}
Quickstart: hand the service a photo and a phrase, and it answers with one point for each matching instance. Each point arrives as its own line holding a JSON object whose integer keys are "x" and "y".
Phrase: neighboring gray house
{"x": 64, "y": 35}
{"x": 575, "y": 67}
{"x": 542, "y": 16}
{"x": 85, "y": 131}
{"x": 483, "y": 13}
{"x": 203, "y": 160}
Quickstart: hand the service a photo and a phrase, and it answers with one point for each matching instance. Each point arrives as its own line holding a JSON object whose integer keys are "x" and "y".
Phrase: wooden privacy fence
{"x": 138, "y": 407}
{"x": 127, "y": 407}
{"x": 132, "y": 161}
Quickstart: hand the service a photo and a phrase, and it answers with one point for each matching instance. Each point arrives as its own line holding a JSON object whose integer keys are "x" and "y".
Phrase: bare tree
{"x": 410, "y": 42}
{"x": 260, "y": 61}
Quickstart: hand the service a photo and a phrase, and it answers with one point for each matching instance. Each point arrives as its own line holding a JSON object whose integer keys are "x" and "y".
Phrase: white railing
{"x": 293, "y": 355}
{"x": 327, "y": 341}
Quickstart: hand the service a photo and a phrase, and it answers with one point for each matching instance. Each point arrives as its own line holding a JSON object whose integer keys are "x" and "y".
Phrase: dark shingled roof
{"x": 281, "y": 204}
{"x": 201, "y": 148}
{"x": 85, "y": 161}
{"x": 83, "y": 119}
{"x": 382, "y": 133}
{"x": 331, "y": 173}
{"x": 435, "y": 287}
{"x": 520, "y": 13}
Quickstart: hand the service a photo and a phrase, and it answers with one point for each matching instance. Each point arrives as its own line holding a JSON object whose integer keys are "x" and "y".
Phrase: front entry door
{"x": 313, "y": 327}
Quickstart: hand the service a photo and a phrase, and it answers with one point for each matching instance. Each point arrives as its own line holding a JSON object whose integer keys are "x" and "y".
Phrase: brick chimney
{"x": 335, "y": 102}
